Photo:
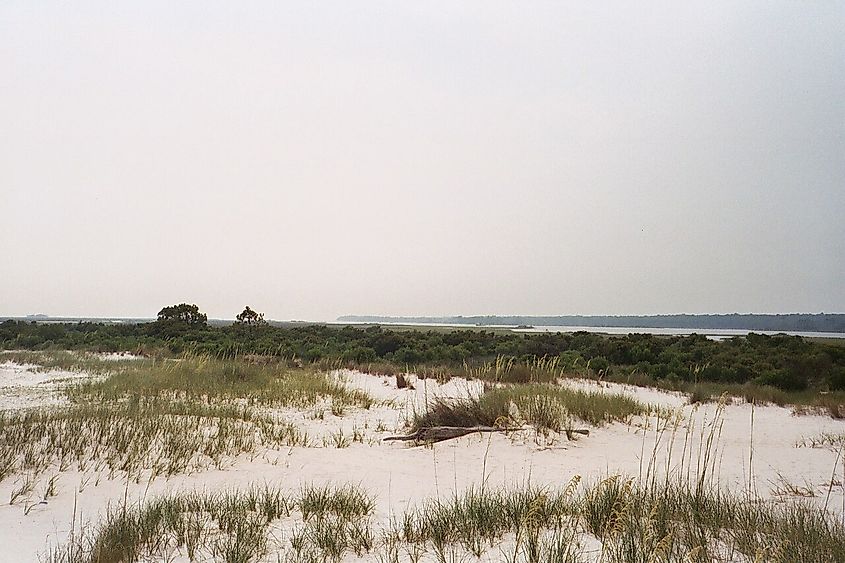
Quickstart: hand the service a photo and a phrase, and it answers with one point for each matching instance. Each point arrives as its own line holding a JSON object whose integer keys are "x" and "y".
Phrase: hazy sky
{"x": 314, "y": 159}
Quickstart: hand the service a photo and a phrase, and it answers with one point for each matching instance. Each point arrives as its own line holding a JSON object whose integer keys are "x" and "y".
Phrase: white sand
{"x": 118, "y": 356}
{"x": 400, "y": 476}
{"x": 25, "y": 386}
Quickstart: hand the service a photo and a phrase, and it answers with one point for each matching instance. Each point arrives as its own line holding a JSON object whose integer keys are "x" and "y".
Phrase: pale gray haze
{"x": 314, "y": 159}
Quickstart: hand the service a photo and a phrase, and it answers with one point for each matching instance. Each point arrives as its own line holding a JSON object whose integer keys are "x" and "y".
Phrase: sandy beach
{"x": 774, "y": 458}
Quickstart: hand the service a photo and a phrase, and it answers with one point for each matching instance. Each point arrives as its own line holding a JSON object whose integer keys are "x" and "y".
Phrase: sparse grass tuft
{"x": 827, "y": 440}
{"x": 230, "y": 526}
{"x": 346, "y": 501}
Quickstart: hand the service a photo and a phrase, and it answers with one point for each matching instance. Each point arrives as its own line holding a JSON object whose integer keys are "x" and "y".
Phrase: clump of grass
{"x": 161, "y": 436}
{"x": 784, "y": 487}
{"x": 335, "y": 521}
{"x": 212, "y": 379}
{"x": 402, "y": 382}
{"x": 346, "y": 501}
{"x": 507, "y": 369}
{"x": 602, "y": 504}
{"x": 828, "y": 440}
{"x": 478, "y": 519}
{"x": 230, "y": 526}
{"x": 547, "y": 407}
{"x": 329, "y": 538}
{"x": 460, "y": 412}
{"x": 699, "y": 394}
{"x": 337, "y": 440}
{"x": 671, "y": 521}
{"x": 504, "y": 369}
{"x": 833, "y": 404}
{"x": 23, "y": 488}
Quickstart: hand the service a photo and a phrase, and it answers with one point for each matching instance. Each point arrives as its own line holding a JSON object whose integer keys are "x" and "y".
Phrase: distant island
{"x": 798, "y": 322}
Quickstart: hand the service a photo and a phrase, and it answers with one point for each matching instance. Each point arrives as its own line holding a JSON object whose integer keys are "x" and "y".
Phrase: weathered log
{"x": 441, "y": 433}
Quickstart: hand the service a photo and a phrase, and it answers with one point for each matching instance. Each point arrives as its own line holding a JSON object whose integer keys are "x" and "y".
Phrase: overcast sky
{"x": 315, "y": 159}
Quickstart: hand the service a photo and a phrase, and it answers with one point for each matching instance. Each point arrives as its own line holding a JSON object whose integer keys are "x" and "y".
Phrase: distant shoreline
{"x": 793, "y": 322}
{"x": 820, "y": 324}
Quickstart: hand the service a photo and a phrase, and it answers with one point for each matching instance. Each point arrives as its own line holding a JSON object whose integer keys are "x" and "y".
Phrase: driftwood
{"x": 441, "y": 433}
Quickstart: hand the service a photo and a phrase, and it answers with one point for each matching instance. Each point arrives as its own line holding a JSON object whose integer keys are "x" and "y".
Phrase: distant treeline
{"x": 797, "y": 322}
{"x": 789, "y": 363}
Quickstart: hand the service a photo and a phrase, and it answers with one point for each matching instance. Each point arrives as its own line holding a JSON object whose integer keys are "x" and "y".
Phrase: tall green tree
{"x": 250, "y": 318}
{"x": 183, "y": 313}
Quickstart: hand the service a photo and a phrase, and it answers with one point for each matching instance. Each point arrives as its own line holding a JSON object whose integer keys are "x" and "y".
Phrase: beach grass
{"x": 545, "y": 406}
{"x": 164, "y": 417}
{"x": 614, "y": 520}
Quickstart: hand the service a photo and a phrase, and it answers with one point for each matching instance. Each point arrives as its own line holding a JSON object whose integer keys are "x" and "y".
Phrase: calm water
{"x": 712, "y": 333}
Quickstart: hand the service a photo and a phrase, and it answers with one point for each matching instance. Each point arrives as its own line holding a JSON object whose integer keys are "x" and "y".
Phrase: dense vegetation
{"x": 784, "y": 362}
